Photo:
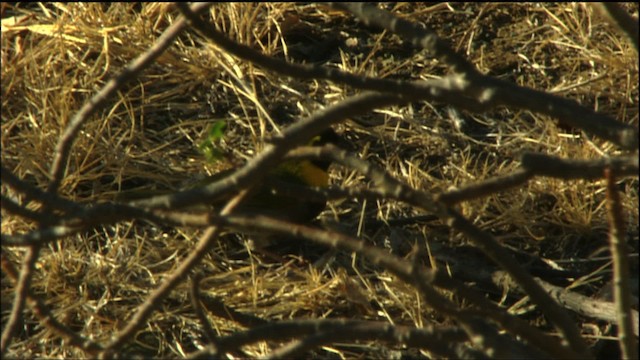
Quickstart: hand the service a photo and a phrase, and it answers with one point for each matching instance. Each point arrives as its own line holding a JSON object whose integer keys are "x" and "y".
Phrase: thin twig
{"x": 218, "y": 308}
{"x": 491, "y": 92}
{"x": 32, "y": 193}
{"x": 343, "y": 330}
{"x": 417, "y": 35}
{"x": 43, "y": 313}
{"x": 155, "y": 298}
{"x": 12, "y": 207}
{"x": 622, "y": 20}
{"x": 194, "y": 294}
{"x": 417, "y": 277}
{"x": 485, "y": 188}
{"x": 621, "y": 276}
{"x": 449, "y": 89}
{"x": 129, "y": 73}
{"x": 570, "y": 169}
{"x": 423, "y": 279}
{"x": 394, "y": 189}
{"x": 22, "y": 290}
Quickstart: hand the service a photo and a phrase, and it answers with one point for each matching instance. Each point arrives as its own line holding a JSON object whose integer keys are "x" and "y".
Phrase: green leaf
{"x": 209, "y": 147}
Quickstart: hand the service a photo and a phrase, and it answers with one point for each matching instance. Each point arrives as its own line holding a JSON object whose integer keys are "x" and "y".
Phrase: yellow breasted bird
{"x": 268, "y": 198}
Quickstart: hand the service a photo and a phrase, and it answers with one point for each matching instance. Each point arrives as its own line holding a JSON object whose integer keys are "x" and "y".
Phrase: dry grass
{"x": 58, "y": 55}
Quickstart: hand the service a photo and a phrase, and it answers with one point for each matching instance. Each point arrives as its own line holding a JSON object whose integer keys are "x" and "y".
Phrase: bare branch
{"x": 493, "y": 92}
{"x": 129, "y": 73}
{"x": 623, "y": 20}
{"x": 43, "y": 313}
{"x": 621, "y": 274}
{"x": 569, "y": 169}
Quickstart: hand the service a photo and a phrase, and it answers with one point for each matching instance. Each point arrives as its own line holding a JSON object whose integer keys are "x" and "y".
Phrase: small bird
{"x": 270, "y": 196}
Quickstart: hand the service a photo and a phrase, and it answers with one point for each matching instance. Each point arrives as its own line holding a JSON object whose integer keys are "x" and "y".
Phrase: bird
{"x": 277, "y": 195}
